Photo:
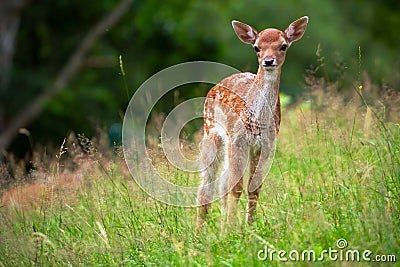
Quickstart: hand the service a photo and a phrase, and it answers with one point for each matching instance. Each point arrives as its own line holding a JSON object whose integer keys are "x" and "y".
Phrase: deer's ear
{"x": 245, "y": 32}
{"x": 296, "y": 29}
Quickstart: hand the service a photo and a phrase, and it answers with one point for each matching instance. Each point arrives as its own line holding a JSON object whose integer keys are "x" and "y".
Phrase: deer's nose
{"x": 269, "y": 62}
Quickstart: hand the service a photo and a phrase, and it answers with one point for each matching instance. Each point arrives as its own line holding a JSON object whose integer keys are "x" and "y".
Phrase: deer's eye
{"x": 256, "y": 49}
{"x": 284, "y": 47}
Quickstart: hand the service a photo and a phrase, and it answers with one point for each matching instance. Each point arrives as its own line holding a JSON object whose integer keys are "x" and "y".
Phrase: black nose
{"x": 268, "y": 62}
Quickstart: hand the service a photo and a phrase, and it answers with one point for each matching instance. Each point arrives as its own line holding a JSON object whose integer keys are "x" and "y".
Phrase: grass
{"x": 336, "y": 175}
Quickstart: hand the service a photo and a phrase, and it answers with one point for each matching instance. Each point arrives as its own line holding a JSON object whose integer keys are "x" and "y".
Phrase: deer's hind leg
{"x": 238, "y": 157}
{"x": 210, "y": 157}
{"x": 254, "y": 185}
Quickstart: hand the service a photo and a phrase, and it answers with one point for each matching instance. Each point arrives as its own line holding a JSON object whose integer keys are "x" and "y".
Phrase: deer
{"x": 242, "y": 116}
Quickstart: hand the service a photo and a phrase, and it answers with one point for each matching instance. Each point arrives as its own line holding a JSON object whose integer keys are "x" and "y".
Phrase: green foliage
{"x": 335, "y": 175}
{"x": 336, "y": 171}
{"x": 153, "y": 35}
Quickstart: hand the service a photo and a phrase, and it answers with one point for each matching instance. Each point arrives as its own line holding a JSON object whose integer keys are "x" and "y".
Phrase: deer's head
{"x": 271, "y": 44}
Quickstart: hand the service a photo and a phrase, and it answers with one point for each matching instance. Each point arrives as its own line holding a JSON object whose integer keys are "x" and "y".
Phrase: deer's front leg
{"x": 260, "y": 163}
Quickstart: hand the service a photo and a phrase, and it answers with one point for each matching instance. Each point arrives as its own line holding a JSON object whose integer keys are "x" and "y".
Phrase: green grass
{"x": 336, "y": 175}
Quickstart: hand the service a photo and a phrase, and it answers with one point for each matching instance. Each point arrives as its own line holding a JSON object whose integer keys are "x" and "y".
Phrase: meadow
{"x": 334, "y": 185}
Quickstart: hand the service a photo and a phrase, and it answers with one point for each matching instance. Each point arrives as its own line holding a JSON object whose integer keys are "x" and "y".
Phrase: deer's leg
{"x": 204, "y": 198}
{"x": 223, "y": 186}
{"x": 260, "y": 162}
{"x": 223, "y": 191}
{"x": 254, "y": 185}
{"x": 237, "y": 164}
{"x": 233, "y": 200}
{"x": 206, "y": 190}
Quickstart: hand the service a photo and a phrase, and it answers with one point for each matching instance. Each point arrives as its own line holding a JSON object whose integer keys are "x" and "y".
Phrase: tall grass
{"x": 335, "y": 176}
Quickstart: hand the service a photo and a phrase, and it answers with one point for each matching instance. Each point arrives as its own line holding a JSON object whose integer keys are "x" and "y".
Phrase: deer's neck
{"x": 266, "y": 91}
{"x": 268, "y": 81}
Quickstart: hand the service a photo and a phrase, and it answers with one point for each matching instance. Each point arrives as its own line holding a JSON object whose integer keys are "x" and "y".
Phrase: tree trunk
{"x": 10, "y": 13}
{"x": 32, "y": 110}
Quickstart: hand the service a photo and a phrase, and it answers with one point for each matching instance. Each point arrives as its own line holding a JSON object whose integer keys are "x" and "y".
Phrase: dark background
{"x": 152, "y": 35}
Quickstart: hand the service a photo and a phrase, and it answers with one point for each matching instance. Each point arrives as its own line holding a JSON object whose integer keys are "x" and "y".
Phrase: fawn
{"x": 241, "y": 120}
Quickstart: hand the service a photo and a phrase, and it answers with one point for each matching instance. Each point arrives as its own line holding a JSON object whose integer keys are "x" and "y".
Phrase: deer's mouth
{"x": 269, "y": 64}
{"x": 270, "y": 68}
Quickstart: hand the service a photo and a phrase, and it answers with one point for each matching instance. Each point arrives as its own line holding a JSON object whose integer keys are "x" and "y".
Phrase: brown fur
{"x": 242, "y": 115}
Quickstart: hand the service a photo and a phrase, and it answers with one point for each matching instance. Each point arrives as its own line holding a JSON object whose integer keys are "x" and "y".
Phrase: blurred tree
{"x": 10, "y": 12}
{"x": 28, "y": 113}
